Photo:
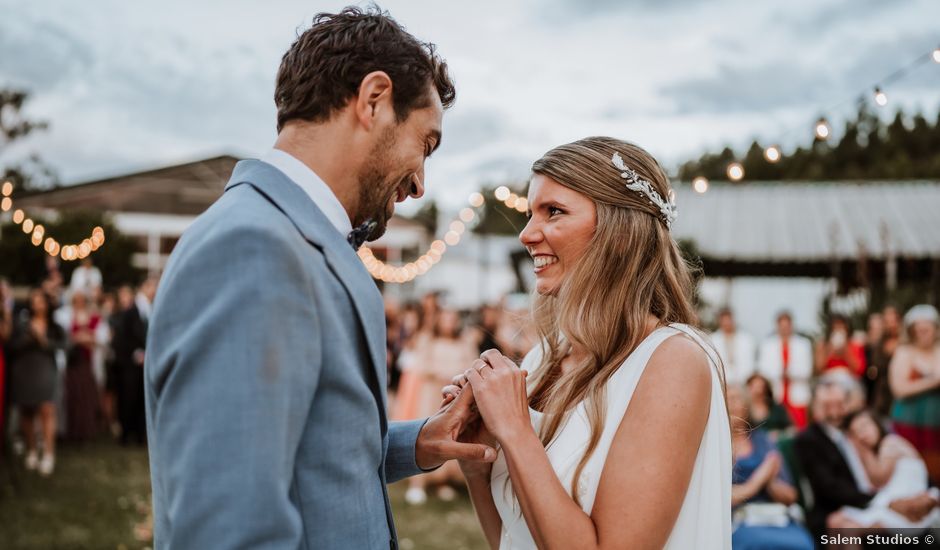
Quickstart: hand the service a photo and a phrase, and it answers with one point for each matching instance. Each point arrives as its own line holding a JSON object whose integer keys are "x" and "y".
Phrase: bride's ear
{"x": 373, "y": 103}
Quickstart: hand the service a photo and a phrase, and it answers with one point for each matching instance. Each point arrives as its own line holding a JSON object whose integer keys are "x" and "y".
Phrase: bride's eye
{"x": 552, "y": 210}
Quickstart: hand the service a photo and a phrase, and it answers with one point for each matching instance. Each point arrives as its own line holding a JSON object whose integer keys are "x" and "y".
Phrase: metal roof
{"x": 811, "y": 221}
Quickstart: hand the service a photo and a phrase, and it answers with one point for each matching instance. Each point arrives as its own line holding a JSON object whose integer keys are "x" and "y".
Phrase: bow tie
{"x": 361, "y": 233}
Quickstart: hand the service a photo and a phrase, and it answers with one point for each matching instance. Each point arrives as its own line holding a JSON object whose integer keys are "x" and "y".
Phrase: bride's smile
{"x": 560, "y": 228}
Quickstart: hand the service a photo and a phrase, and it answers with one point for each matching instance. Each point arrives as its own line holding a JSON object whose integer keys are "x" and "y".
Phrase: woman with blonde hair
{"x": 618, "y": 436}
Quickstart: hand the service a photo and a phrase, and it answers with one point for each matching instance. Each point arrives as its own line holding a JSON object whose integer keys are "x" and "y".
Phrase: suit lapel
{"x": 290, "y": 199}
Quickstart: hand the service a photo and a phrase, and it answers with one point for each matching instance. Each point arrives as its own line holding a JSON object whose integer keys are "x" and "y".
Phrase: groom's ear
{"x": 374, "y": 100}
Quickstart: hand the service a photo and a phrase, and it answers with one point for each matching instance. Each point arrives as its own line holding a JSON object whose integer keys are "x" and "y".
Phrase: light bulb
{"x": 880, "y": 97}
{"x": 772, "y": 153}
{"x": 700, "y": 184}
{"x": 735, "y": 171}
{"x": 822, "y": 129}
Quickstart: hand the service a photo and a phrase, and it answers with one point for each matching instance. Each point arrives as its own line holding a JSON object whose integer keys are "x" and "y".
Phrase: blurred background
{"x": 803, "y": 142}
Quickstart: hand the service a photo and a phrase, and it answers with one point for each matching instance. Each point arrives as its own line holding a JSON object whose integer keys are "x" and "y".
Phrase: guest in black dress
{"x": 33, "y": 346}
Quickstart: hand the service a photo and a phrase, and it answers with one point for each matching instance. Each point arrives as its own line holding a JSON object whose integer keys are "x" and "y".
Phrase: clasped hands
{"x": 484, "y": 407}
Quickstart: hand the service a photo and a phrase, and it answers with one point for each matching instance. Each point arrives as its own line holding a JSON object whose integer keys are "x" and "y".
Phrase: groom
{"x": 265, "y": 367}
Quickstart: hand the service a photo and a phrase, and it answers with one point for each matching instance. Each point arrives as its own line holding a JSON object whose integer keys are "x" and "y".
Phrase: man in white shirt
{"x": 736, "y": 348}
{"x": 86, "y": 278}
{"x": 786, "y": 359}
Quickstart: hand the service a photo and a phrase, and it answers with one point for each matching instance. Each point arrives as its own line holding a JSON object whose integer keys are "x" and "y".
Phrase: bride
{"x": 614, "y": 433}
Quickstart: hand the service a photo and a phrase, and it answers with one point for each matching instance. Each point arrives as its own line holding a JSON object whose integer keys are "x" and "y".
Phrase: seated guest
{"x": 834, "y": 468}
{"x": 894, "y": 467}
{"x": 765, "y": 413}
{"x": 762, "y": 490}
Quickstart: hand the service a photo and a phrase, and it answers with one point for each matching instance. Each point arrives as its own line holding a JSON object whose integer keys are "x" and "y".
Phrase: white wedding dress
{"x": 704, "y": 520}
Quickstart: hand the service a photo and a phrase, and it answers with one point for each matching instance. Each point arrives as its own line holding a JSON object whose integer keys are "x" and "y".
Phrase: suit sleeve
{"x": 400, "y": 458}
{"x": 233, "y": 360}
{"x": 818, "y": 466}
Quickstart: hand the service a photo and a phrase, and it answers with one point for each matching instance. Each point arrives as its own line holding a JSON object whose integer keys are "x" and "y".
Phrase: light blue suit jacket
{"x": 265, "y": 381}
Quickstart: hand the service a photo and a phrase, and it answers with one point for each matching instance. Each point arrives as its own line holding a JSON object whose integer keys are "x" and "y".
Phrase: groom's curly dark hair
{"x": 326, "y": 64}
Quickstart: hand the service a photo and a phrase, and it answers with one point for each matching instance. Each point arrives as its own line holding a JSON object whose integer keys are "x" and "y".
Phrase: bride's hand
{"x": 499, "y": 390}
{"x": 475, "y": 432}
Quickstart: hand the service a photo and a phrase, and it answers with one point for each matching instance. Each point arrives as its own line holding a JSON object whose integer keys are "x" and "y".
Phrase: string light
{"x": 772, "y": 154}
{"x": 735, "y": 171}
{"x": 466, "y": 215}
{"x": 700, "y": 184}
{"x": 822, "y": 128}
{"x": 406, "y": 273}
{"x": 36, "y": 232}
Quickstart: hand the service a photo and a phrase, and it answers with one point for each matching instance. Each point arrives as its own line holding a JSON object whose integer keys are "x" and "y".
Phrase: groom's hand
{"x": 440, "y": 439}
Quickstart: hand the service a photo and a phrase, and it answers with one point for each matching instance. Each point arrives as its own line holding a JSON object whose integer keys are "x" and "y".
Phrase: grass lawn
{"x": 99, "y": 498}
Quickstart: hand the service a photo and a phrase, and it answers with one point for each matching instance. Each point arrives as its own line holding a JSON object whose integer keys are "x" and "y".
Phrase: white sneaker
{"x": 47, "y": 465}
{"x": 415, "y": 496}
{"x": 32, "y": 460}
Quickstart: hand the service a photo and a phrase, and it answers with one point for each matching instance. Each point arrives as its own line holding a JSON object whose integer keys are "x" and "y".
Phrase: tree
{"x": 867, "y": 149}
{"x": 33, "y": 173}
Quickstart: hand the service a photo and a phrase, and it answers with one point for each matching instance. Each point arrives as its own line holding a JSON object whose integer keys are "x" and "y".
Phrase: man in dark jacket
{"x": 834, "y": 469}
{"x": 130, "y": 342}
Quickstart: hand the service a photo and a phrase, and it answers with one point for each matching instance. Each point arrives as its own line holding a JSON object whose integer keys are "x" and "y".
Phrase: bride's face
{"x": 561, "y": 224}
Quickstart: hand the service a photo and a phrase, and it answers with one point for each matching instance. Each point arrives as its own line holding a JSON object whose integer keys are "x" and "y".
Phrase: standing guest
{"x": 915, "y": 383}
{"x": 6, "y": 328}
{"x": 129, "y": 348}
{"x": 487, "y": 328}
{"x": 786, "y": 359}
{"x": 392, "y": 344}
{"x": 108, "y": 312}
{"x": 81, "y": 390}
{"x": 736, "y": 348}
{"x": 86, "y": 278}
{"x": 765, "y": 413}
{"x": 876, "y": 372}
{"x": 839, "y": 351}
{"x": 437, "y": 359}
{"x": 410, "y": 378}
{"x": 33, "y": 376}
{"x": 884, "y": 350}
{"x": 760, "y": 477}
{"x": 52, "y": 285}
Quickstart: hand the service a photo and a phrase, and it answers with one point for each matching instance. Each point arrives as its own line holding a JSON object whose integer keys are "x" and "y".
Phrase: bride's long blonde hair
{"x": 632, "y": 268}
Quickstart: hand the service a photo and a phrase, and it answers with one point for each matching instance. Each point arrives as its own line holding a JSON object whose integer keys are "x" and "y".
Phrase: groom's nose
{"x": 417, "y": 184}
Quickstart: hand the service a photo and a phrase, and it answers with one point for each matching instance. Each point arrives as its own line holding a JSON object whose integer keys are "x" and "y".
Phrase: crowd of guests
{"x": 430, "y": 343}
{"x": 71, "y": 363}
{"x": 841, "y": 434}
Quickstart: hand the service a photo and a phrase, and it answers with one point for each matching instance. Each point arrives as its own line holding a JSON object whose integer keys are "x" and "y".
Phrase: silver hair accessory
{"x": 640, "y": 185}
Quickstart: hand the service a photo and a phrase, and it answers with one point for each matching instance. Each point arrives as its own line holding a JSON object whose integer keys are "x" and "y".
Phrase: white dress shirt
{"x": 319, "y": 192}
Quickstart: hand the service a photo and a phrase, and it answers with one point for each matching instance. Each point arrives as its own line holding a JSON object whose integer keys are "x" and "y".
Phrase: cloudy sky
{"x": 131, "y": 85}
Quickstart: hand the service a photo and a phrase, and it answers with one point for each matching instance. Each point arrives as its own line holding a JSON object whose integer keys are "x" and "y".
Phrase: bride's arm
{"x": 482, "y": 498}
{"x": 648, "y": 467}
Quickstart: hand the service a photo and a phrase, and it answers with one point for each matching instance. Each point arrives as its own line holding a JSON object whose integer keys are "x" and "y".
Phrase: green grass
{"x": 99, "y": 498}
